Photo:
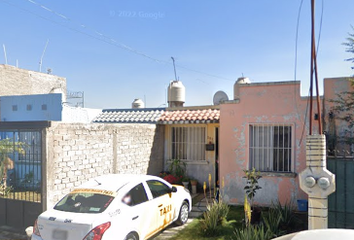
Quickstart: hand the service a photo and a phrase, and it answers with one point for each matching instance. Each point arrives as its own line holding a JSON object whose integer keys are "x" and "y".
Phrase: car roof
{"x": 114, "y": 182}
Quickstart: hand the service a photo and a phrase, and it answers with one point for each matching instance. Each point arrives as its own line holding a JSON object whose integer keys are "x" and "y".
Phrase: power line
{"x": 295, "y": 67}
{"x": 102, "y": 37}
{"x": 297, "y": 37}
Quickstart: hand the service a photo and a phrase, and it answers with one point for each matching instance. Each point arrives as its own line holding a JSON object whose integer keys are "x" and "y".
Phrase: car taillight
{"x": 97, "y": 232}
{"x": 35, "y": 229}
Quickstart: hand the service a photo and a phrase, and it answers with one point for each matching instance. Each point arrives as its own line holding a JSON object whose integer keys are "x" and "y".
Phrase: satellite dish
{"x": 220, "y": 97}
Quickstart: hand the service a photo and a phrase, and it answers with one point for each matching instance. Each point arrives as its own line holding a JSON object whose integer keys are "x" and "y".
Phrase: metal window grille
{"x": 270, "y": 148}
{"x": 188, "y": 143}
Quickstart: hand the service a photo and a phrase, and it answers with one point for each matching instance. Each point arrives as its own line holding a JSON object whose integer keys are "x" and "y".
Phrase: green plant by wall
{"x": 216, "y": 212}
{"x": 272, "y": 221}
{"x": 177, "y": 168}
{"x": 251, "y": 189}
{"x": 248, "y": 211}
{"x": 252, "y": 185}
{"x": 213, "y": 217}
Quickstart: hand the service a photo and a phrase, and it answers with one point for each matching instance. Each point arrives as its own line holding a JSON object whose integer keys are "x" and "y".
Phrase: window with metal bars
{"x": 270, "y": 148}
{"x": 188, "y": 143}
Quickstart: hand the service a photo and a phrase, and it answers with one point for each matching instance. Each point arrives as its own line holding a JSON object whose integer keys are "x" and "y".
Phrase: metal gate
{"x": 21, "y": 185}
{"x": 341, "y": 202}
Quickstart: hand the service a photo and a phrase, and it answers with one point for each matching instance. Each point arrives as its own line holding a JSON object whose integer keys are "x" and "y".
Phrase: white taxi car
{"x": 114, "y": 207}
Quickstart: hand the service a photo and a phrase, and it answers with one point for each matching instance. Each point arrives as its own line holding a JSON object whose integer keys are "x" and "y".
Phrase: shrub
{"x": 177, "y": 167}
{"x": 171, "y": 179}
{"x": 286, "y": 213}
{"x": 213, "y": 218}
{"x": 272, "y": 221}
{"x": 253, "y": 232}
{"x": 280, "y": 219}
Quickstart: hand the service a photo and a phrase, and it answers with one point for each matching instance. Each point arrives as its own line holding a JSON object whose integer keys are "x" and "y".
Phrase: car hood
{"x": 59, "y": 225}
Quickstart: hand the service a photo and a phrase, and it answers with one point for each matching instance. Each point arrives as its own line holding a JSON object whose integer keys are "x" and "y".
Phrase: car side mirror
{"x": 173, "y": 189}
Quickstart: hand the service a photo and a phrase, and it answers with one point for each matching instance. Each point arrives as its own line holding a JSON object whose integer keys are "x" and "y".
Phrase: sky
{"x": 117, "y": 51}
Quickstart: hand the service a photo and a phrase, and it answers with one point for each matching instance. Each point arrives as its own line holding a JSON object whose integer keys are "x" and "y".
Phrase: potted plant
{"x": 194, "y": 184}
{"x": 251, "y": 188}
{"x": 171, "y": 179}
{"x": 185, "y": 181}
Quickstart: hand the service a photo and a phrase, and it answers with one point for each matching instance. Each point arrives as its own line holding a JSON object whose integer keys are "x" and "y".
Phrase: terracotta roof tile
{"x": 190, "y": 116}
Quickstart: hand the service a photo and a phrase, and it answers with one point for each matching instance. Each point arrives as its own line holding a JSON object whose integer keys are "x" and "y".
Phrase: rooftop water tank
{"x": 240, "y": 81}
{"x": 138, "y": 103}
{"x": 176, "y": 94}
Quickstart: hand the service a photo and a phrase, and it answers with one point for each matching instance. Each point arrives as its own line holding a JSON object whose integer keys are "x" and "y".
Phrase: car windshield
{"x": 84, "y": 202}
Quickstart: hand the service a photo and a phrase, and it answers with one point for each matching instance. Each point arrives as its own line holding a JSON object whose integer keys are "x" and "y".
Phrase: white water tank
{"x": 138, "y": 103}
{"x": 240, "y": 81}
{"x": 176, "y": 94}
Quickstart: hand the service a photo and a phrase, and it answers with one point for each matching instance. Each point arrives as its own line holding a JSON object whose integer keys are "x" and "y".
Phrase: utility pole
{"x": 316, "y": 180}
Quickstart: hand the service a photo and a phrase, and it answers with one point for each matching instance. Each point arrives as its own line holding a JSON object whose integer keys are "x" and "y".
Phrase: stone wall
{"x": 78, "y": 152}
{"x": 17, "y": 81}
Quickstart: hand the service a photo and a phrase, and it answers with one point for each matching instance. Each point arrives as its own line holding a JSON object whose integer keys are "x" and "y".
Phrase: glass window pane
{"x": 135, "y": 196}
{"x": 158, "y": 188}
{"x": 84, "y": 203}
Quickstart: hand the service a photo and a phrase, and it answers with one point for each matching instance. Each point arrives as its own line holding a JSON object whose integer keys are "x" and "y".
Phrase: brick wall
{"x": 78, "y": 152}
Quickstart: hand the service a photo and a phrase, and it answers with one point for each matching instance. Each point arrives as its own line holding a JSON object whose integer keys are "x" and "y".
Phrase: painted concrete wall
{"x": 78, "y": 114}
{"x": 38, "y": 107}
{"x": 78, "y": 152}
{"x": 196, "y": 169}
{"x": 273, "y": 103}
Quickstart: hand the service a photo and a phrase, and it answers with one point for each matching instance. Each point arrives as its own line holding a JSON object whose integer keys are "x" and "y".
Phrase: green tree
{"x": 344, "y": 110}
{"x": 7, "y": 147}
{"x": 350, "y": 45}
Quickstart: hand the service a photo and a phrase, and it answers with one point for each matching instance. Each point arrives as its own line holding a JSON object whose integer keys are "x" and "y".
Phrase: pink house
{"x": 265, "y": 128}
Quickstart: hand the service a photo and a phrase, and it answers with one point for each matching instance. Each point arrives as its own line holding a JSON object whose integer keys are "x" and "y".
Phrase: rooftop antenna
{"x": 40, "y": 62}
{"x": 145, "y": 100}
{"x": 5, "y": 53}
{"x": 174, "y": 67}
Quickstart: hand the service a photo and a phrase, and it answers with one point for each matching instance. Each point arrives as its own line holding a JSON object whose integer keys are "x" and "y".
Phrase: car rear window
{"x": 84, "y": 202}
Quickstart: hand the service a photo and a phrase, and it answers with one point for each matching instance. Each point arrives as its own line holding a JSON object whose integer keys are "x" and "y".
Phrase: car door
{"x": 161, "y": 203}
{"x": 136, "y": 211}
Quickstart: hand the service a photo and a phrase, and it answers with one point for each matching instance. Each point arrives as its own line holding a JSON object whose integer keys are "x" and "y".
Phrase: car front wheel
{"x": 183, "y": 214}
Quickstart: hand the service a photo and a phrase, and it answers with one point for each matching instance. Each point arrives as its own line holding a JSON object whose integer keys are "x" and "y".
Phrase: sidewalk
{"x": 8, "y": 234}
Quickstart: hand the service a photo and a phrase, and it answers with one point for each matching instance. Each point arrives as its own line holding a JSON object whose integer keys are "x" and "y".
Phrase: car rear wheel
{"x": 183, "y": 214}
{"x": 131, "y": 236}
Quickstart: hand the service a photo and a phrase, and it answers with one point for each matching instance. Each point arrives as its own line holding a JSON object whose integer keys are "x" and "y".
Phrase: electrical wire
{"x": 295, "y": 67}
{"x": 297, "y": 37}
{"x": 295, "y": 70}
{"x": 102, "y": 37}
